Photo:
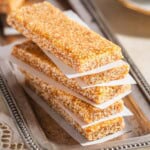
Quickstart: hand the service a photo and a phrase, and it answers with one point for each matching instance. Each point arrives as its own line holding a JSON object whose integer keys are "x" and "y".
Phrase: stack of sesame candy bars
{"x": 50, "y": 31}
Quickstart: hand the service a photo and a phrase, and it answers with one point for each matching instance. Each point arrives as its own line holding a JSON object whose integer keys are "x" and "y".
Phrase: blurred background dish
{"x": 7, "y": 6}
{"x": 142, "y": 6}
{"x": 8, "y": 34}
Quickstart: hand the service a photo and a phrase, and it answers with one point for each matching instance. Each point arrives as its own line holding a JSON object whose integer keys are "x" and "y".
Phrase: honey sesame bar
{"x": 92, "y": 132}
{"x": 31, "y": 54}
{"x": 77, "y": 46}
{"x": 83, "y": 110}
{"x": 116, "y": 73}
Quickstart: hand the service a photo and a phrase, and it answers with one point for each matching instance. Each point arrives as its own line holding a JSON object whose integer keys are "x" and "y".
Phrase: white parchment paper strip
{"x": 64, "y": 88}
{"x": 10, "y": 31}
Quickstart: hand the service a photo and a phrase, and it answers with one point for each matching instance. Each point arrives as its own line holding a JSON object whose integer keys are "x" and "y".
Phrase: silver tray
{"x": 50, "y": 135}
{"x": 32, "y": 120}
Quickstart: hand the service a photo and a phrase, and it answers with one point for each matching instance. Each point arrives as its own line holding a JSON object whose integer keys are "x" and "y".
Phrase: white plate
{"x": 142, "y": 6}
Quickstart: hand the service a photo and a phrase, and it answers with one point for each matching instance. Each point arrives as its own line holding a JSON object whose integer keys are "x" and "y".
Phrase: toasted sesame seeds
{"x": 78, "y": 46}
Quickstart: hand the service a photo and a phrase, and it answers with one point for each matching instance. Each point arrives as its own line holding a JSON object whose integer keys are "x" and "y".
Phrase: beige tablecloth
{"x": 9, "y": 136}
{"x": 133, "y": 31}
